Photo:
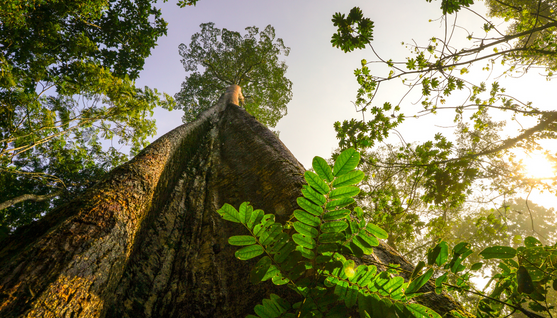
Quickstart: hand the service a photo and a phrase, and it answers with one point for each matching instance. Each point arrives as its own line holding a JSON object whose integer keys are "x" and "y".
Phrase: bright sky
{"x": 322, "y": 76}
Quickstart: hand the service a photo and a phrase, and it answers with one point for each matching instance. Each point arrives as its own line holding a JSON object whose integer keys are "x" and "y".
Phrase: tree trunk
{"x": 147, "y": 242}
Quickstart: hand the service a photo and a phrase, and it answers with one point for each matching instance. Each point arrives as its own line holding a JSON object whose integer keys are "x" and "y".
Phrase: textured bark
{"x": 147, "y": 242}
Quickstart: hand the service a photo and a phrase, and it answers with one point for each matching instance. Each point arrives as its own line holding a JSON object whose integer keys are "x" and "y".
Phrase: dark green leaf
{"x": 417, "y": 283}
{"x": 500, "y": 252}
{"x": 421, "y": 311}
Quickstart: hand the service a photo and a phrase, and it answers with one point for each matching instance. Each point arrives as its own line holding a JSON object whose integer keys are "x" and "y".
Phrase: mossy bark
{"x": 147, "y": 242}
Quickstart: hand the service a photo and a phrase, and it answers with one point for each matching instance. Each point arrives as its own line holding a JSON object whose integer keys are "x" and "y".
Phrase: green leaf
{"x": 304, "y": 241}
{"x": 331, "y": 205}
{"x": 524, "y": 280}
{"x": 229, "y": 213}
{"x": 334, "y": 226}
{"x": 417, "y": 283}
{"x": 363, "y": 245}
{"x": 245, "y": 212}
{"x": 278, "y": 243}
{"x": 335, "y": 215}
{"x": 350, "y": 178}
{"x": 313, "y": 195}
{"x": 249, "y": 252}
{"x": 417, "y": 269}
{"x": 306, "y": 229}
{"x": 420, "y": 311}
{"x": 306, "y": 218}
{"x": 346, "y": 162}
{"x": 500, "y": 252}
{"x": 344, "y": 192}
{"x": 266, "y": 221}
{"x": 322, "y": 168}
{"x": 282, "y": 255}
{"x": 368, "y": 239}
{"x": 309, "y": 206}
{"x": 269, "y": 234}
{"x": 443, "y": 253}
{"x": 377, "y": 231}
{"x": 260, "y": 269}
{"x": 476, "y": 266}
{"x": 531, "y": 241}
{"x": 315, "y": 182}
{"x": 241, "y": 240}
{"x": 306, "y": 252}
{"x": 255, "y": 217}
{"x": 331, "y": 237}
{"x": 280, "y": 280}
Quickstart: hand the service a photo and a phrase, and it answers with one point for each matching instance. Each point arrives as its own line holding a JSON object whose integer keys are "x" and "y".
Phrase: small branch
{"x": 26, "y": 197}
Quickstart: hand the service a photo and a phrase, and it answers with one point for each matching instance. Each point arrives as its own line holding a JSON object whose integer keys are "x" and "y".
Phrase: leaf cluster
{"x": 316, "y": 259}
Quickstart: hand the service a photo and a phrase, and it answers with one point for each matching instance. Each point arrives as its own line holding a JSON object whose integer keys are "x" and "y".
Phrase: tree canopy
{"x": 67, "y": 82}
{"x": 226, "y": 57}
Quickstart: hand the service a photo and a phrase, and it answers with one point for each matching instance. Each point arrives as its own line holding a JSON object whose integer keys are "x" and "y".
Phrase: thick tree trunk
{"x": 147, "y": 241}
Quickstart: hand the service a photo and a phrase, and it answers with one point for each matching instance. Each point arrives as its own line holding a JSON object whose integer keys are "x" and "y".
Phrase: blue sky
{"x": 322, "y": 76}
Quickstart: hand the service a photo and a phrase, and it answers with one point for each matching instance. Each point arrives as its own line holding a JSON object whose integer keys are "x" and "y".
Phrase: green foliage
{"x": 68, "y": 71}
{"x": 226, "y": 57}
{"x": 315, "y": 260}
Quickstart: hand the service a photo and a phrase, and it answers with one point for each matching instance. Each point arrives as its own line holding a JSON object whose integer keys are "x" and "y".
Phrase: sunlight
{"x": 537, "y": 166}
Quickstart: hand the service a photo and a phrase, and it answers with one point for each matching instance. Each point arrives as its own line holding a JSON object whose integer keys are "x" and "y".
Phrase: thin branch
{"x": 26, "y": 197}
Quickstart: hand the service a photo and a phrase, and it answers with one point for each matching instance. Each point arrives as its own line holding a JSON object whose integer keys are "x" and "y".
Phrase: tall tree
{"x": 226, "y": 58}
{"x": 68, "y": 71}
{"x": 147, "y": 241}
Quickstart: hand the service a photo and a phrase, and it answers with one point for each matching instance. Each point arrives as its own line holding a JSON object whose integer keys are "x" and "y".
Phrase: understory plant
{"x": 316, "y": 254}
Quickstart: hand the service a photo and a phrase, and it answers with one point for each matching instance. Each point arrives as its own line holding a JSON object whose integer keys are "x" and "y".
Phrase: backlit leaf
{"x": 346, "y": 162}
{"x": 306, "y": 229}
{"x": 313, "y": 195}
{"x": 420, "y": 311}
{"x": 377, "y": 231}
{"x": 350, "y": 178}
{"x": 344, "y": 192}
{"x": 331, "y": 205}
{"x": 322, "y": 168}
{"x": 335, "y": 215}
{"x": 315, "y": 182}
{"x": 309, "y": 206}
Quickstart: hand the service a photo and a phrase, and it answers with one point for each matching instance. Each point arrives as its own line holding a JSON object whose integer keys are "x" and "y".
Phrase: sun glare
{"x": 537, "y": 166}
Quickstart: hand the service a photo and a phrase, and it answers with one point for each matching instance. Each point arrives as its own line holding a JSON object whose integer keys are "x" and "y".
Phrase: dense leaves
{"x": 225, "y": 58}
{"x": 68, "y": 71}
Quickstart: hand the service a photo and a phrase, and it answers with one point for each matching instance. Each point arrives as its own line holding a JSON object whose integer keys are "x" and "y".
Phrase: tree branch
{"x": 26, "y": 197}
